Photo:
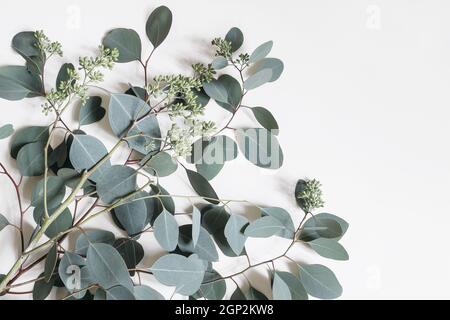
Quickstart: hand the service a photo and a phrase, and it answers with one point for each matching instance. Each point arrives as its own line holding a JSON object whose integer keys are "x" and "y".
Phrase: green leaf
{"x": 264, "y": 227}
{"x": 107, "y": 267}
{"x": 319, "y": 281}
{"x": 133, "y": 216}
{"x": 329, "y": 248}
{"x": 196, "y": 224}
{"x": 226, "y": 91}
{"x": 280, "y": 289}
{"x": 131, "y": 251}
{"x": 161, "y": 165}
{"x": 284, "y": 217}
{"x": 202, "y": 186}
{"x": 215, "y": 289}
{"x": 25, "y": 44}
{"x": 127, "y": 41}
{"x": 158, "y": 25}
{"x": 258, "y": 79}
{"x": 272, "y": 64}
{"x": 92, "y": 111}
{"x": 55, "y": 192}
{"x": 295, "y": 287}
{"x": 50, "y": 262}
{"x": 234, "y": 232}
{"x": 266, "y": 119}
{"x": 85, "y": 152}
{"x": 116, "y": 182}
{"x": 254, "y": 294}
{"x": 63, "y": 74}
{"x": 6, "y": 131}
{"x": 323, "y": 225}
{"x": 261, "y": 52}
{"x": 69, "y": 269}
{"x": 204, "y": 247}
{"x": 90, "y": 237}
{"x": 30, "y": 160}
{"x": 127, "y": 112}
{"x": 42, "y": 288}
{"x": 166, "y": 201}
{"x": 119, "y": 293}
{"x": 236, "y": 37}
{"x": 209, "y": 171}
{"x": 238, "y": 295}
{"x": 146, "y": 293}
{"x": 166, "y": 231}
{"x": 16, "y": 83}
{"x": 71, "y": 177}
{"x": 260, "y": 147}
{"x": 61, "y": 224}
{"x": 3, "y": 222}
{"x": 28, "y": 135}
{"x": 186, "y": 274}
{"x": 219, "y": 63}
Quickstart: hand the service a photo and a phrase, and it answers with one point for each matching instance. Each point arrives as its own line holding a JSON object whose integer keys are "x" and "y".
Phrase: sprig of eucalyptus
{"x": 78, "y": 170}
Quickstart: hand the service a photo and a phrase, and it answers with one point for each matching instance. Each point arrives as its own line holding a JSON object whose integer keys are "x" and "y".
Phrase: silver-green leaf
{"x": 319, "y": 281}
{"x": 126, "y": 41}
{"x": 329, "y": 248}
{"x": 158, "y": 25}
{"x": 166, "y": 231}
{"x": 264, "y": 227}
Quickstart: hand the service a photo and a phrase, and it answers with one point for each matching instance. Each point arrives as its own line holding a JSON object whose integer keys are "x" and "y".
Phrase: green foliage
{"x": 158, "y": 124}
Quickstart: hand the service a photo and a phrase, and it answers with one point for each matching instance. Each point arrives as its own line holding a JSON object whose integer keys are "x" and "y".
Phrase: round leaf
{"x": 92, "y": 236}
{"x": 30, "y": 160}
{"x": 161, "y": 165}
{"x": 28, "y": 135}
{"x": 6, "y": 130}
{"x": 16, "y": 83}
{"x": 236, "y": 37}
{"x": 55, "y": 192}
{"x": 91, "y": 111}
{"x": 133, "y": 216}
{"x": 166, "y": 231}
{"x": 116, "y": 182}
{"x": 127, "y": 41}
{"x": 219, "y": 63}
{"x": 266, "y": 119}
{"x": 131, "y": 251}
{"x": 63, "y": 74}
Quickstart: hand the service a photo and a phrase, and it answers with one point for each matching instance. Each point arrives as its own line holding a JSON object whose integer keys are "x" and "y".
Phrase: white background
{"x": 362, "y": 105}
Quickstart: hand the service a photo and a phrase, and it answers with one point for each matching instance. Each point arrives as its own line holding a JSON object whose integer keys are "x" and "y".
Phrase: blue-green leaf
{"x": 284, "y": 217}
{"x": 6, "y": 131}
{"x": 202, "y": 186}
{"x": 234, "y": 232}
{"x": 319, "y": 281}
{"x": 236, "y": 37}
{"x": 264, "y": 227}
{"x": 219, "y": 63}
{"x": 158, "y": 25}
{"x": 131, "y": 251}
{"x": 261, "y": 52}
{"x": 30, "y": 160}
{"x": 196, "y": 224}
{"x": 296, "y": 290}
{"x": 126, "y": 41}
{"x": 107, "y": 267}
{"x": 116, "y": 182}
{"x": 146, "y": 293}
{"x": 119, "y": 293}
{"x": 3, "y": 222}
{"x": 204, "y": 247}
{"x": 329, "y": 248}
{"x": 28, "y": 135}
{"x": 16, "y": 83}
{"x": 258, "y": 79}
{"x": 92, "y": 111}
{"x": 55, "y": 192}
{"x": 92, "y": 236}
{"x": 266, "y": 119}
{"x": 50, "y": 262}
{"x": 160, "y": 165}
{"x": 166, "y": 231}
{"x": 280, "y": 289}
{"x": 276, "y": 66}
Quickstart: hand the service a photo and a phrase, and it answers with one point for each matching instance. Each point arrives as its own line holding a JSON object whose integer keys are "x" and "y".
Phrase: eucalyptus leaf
{"x": 202, "y": 186}
{"x": 254, "y": 294}
{"x": 319, "y": 281}
{"x": 129, "y": 115}
{"x": 146, "y": 293}
{"x": 196, "y": 224}
{"x": 329, "y": 248}
{"x": 261, "y": 52}
{"x": 284, "y": 217}
{"x": 69, "y": 270}
{"x": 321, "y": 226}
{"x": 258, "y": 79}
{"x": 158, "y": 25}
{"x": 55, "y": 192}
{"x": 116, "y": 182}
{"x": 91, "y": 111}
{"x": 236, "y": 37}
{"x": 63, "y": 74}
{"x": 238, "y": 295}
{"x": 28, "y": 135}
{"x": 234, "y": 232}
{"x": 85, "y": 152}
{"x": 276, "y": 66}
{"x": 266, "y": 119}
{"x": 264, "y": 227}
{"x": 107, "y": 267}
{"x": 25, "y": 44}
{"x": 260, "y": 147}
{"x": 295, "y": 287}
{"x": 186, "y": 274}
{"x": 219, "y": 63}
{"x": 6, "y": 131}
{"x": 165, "y": 200}
{"x": 226, "y": 91}
{"x": 91, "y": 237}
{"x": 119, "y": 293}
{"x": 42, "y": 288}
{"x": 50, "y": 262}
{"x": 131, "y": 251}
{"x": 280, "y": 289}
{"x": 30, "y": 160}
{"x": 16, "y": 83}
{"x": 126, "y": 41}
{"x": 166, "y": 231}
{"x": 204, "y": 247}
{"x": 61, "y": 224}
{"x": 132, "y": 216}
{"x": 161, "y": 165}
{"x": 213, "y": 287}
